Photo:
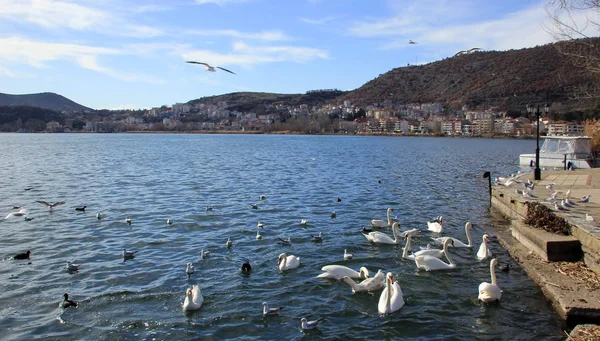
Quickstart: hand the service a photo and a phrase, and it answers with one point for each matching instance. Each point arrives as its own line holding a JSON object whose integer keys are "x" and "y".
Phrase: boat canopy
{"x": 566, "y": 145}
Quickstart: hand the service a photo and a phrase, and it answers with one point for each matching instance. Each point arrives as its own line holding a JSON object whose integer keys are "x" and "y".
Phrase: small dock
{"x": 565, "y": 267}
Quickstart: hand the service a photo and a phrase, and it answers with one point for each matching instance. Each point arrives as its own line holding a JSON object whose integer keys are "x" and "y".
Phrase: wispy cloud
{"x": 247, "y": 55}
{"x": 319, "y": 21}
{"x": 54, "y": 14}
{"x": 41, "y": 54}
{"x": 218, "y": 2}
{"x": 264, "y": 35}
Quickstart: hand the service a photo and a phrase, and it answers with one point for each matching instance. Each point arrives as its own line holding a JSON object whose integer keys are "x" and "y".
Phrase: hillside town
{"x": 344, "y": 118}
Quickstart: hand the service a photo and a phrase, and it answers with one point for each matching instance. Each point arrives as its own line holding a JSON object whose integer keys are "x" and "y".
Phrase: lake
{"x": 154, "y": 177}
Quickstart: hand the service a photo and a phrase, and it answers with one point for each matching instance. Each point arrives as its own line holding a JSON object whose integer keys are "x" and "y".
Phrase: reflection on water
{"x": 151, "y": 178}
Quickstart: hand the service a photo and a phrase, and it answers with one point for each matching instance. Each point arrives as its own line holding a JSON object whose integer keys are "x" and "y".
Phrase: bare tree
{"x": 572, "y": 22}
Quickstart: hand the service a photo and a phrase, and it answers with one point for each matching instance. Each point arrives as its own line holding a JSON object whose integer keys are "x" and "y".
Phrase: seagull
{"x": 128, "y": 254}
{"x": 169, "y": 221}
{"x": 568, "y": 194}
{"x": 317, "y": 238}
{"x": 209, "y": 67}
{"x": 411, "y": 42}
{"x": 19, "y": 213}
{"x": 589, "y": 217}
{"x": 99, "y": 216}
{"x": 29, "y": 218}
{"x": 66, "y": 303}
{"x": 258, "y": 235}
{"x": 228, "y": 243}
{"x": 189, "y": 269}
{"x": 270, "y": 311}
{"x": 82, "y": 208}
{"x": 285, "y": 241}
{"x": 348, "y": 255}
{"x": 303, "y": 222}
{"x": 51, "y": 206}
{"x": 585, "y": 199}
{"x": 254, "y": 206}
{"x": 128, "y": 220}
{"x": 71, "y": 267}
{"x": 333, "y": 214}
{"x": 310, "y": 324}
{"x": 260, "y": 225}
{"x": 550, "y": 186}
{"x": 204, "y": 254}
{"x": 209, "y": 208}
{"x": 262, "y": 197}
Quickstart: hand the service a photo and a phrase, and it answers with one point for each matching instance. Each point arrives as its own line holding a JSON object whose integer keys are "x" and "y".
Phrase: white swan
{"x": 369, "y": 284}
{"x": 339, "y": 271}
{"x": 189, "y": 269}
{"x": 382, "y": 223}
{"x": 348, "y": 255}
{"x": 391, "y": 298}
{"x": 458, "y": 243}
{"x": 430, "y": 263}
{"x": 436, "y": 226}
{"x": 286, "y": 262}
{"x": 382, "y": 238}
{"x": 423, "y": 252}
{"x": 484, "y": 252}
{"x": 193, "y": 299}
{"x": 490, "y": 291}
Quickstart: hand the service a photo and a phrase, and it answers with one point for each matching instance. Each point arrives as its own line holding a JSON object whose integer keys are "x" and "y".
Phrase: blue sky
{"x": 113, "y": 54}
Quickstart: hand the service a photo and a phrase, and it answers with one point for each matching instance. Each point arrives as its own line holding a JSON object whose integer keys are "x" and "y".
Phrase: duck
{"x": 71, "y": 267}
{"x": 258, "y": 235}
{"x": 246, "y": 267}
{"x": 228, "y": 243}
{"x": 51, "y": 207}
{"x": 307, "y": 325}
{"x": 193, "y": 299}
{"x": 333, "y": 214}
{"x": 347, "y": 255}
{"x": 338, "y": 271}
{"x": 28, "y": 218}
{"x": 286, "y": 242}
{"x": 382, "y": 238}
{"x": 391, "y": 298}
{"x": 457, "y": 242}
{"x": 82, "y": 208}
{"x": 489, "y": 292}
{"x": 430, "y": 263}
{"x": 99, "y": 216}
{"x": 67, "y": 303}
{"x": 382, "y": 223}
{"x": 303, "y": 222}
{"x": 24, "y": 255}
{"x": 286, "y": 262}
{"x": 317, "y": 238}
{"x": 254, "y": 206}
{"x": 209, "y": 208}
{"x": 189, "y": 269}
{"x": 339, "y": 199}
{"x": 270, "y": 311}
{"x": 262, "y": 197}
{"x": 484, "y": 252}
{"x": 375, "y": 283}
{"x": 128, "y": 254}
{"x": 436, "y": 226}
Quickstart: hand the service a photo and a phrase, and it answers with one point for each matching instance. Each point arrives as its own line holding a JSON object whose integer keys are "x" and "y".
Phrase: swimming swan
{"x": 484, "y": 252}
{"x": 286, "y": 262}
{"x": 431, "y": 263}
{"x": 193, "y": 299}
{"x": 458, "y": 243}
{"x": 391, "y": 298}
{"x": 382, "y": 238}
{"x": 490, "y": 292}
{"x": 369, "y": 284}
{"x": 437, "y": 253}
{"x": 339, "y": 271}
{"x": 436, "y": 226}
{"x": 382, "y": 223}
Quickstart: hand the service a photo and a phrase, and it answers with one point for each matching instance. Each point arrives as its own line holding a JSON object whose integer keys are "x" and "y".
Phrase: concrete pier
{"x": 565, "y": 267}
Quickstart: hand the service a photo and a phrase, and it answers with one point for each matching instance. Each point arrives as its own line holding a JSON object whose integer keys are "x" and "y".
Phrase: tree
{"x": 572, "y": 22}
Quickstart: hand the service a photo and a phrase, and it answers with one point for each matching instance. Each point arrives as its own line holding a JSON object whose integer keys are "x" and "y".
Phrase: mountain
{"x": 45, "y": 100}
{"x": 507, "y": 80}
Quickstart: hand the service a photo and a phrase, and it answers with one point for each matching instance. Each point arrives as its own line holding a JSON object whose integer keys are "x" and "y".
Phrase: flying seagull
{"x": 210, "y": 68}
{"x": 411, "y": 42}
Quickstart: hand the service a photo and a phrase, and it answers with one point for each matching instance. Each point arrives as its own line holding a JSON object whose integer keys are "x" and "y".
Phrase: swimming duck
{"x": 66, "y": 303}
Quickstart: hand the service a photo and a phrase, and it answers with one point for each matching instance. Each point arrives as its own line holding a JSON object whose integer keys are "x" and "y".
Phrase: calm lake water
{"x": 150, "y": 178}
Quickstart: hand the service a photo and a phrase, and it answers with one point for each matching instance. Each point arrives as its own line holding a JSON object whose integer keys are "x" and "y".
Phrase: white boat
{"x": 558, "y": 151}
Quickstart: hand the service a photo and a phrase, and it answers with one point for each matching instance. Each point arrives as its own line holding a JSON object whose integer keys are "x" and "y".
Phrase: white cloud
{"x": 319, "y": 21}
{"x": 129, "y": 107}
{"x": 40, "y": 54}
{"x": 264, "y": 35}
{"x": 6, "y": 72}
{"x": 218, "y": 2}
{"x": 244, "y": 54}
{"x": 54, "y": 14}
